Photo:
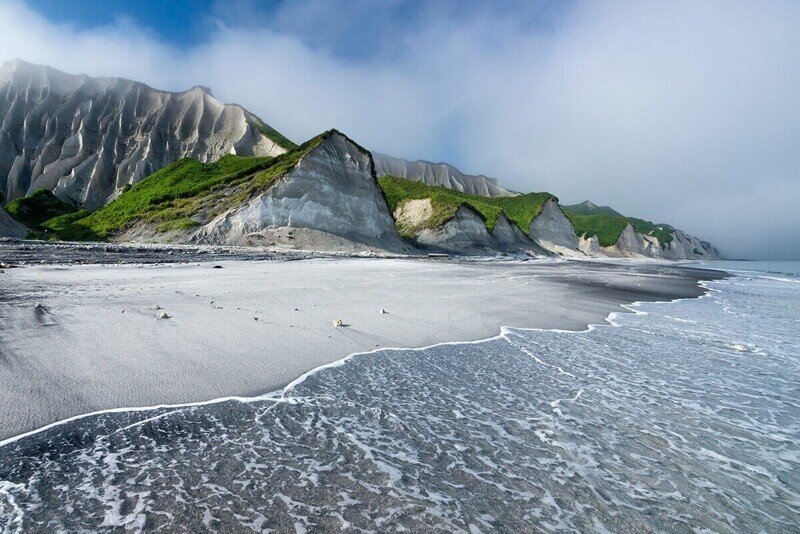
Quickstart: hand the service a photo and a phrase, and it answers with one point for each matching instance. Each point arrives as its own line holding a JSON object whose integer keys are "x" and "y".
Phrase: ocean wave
{"x": 658, "y": 424}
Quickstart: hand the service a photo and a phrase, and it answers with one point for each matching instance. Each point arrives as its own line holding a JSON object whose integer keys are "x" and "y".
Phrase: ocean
{"x": 681, "y": 417}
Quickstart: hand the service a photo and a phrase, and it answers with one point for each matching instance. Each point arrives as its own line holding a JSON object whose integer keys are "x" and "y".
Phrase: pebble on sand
{"x": 337, "y": 323}
{"x": 164, "y": 315}
{"x": 156, "y": 307}
{"x": 382, "y": 312}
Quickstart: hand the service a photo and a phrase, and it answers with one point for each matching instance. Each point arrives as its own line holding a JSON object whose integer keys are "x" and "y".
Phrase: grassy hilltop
{"x": 177, "y": 197}
{"x": 445, "y": 203}
{"x": 608, "y": 224}
{"x": 189, "y": 193}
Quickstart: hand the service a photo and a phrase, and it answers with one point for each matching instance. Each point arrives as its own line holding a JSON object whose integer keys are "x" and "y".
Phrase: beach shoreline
{"x": 80, "y": 339}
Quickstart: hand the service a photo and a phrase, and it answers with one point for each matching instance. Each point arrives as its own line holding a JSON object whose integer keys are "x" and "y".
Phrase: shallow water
{"x": 685, "y": 417}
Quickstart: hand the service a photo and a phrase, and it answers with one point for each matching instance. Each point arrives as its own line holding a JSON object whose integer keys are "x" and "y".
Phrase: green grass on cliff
{"x": 180, "y": 195}
{"x": 607, "y": 228}
{"x": 38, "y": 207}
{"x": 34, "y": 210}
{"x": 275, "y": 135}
{"x": 445, "y": 203}
{"x": 588, "y": 208}
{"x": 607, "y": 224}
{"x": 662, "y": 231}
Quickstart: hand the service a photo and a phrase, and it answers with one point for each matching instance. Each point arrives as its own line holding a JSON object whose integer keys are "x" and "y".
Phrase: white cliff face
{"x": 465, "y": 233}
{"x": 685, "y": 246}
{"x": 439, "y": 174}
{"x": 508, "y": 236}
{"x": 632, "y": 244}
{"x": 589, "y": 245}
{"x": 86, "y": 138}
{"x": 553, "y": 231}
{"x": 330, "y": 197}
{"x": 9, "y": 227}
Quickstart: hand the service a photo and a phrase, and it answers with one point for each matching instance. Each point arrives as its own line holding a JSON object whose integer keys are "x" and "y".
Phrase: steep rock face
{"x": 629, "y": 244}
{"x": 685, "y": 246}
{"x": 553, "y": 231}
{"x": 632, "y": 244}
{"x": 508, "y": 236}
{"x": 412, "y": 215}
{"x": 331, "y": 198}
{"x": 589, "y": 245}
{"x": 441, "y": 174}
{"x": 9, "y": 227}
{"x": 465, "y": 233}
{"x": 86, "y": 138}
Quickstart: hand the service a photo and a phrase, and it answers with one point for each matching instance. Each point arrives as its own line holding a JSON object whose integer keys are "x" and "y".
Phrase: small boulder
{"x": 382, "y": 311}
{"x": 337, "y": 323}
{"x": 164, "y": 315}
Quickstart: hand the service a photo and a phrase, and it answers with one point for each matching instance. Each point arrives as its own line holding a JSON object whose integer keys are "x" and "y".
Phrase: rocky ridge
{"x": 90, "y": 139}
{"x": 441, "y": 174}
{"x": 87, "y": 138}
{"x": 329, "y": 199}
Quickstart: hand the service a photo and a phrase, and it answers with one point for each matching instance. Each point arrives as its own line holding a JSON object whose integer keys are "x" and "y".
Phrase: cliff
{"x": 86, "y": 138}
{"x": 87, "y": 158}
{"x": 322, "y": 195}
{"x": 552, "y": 231}
{"x": 439, "y": 174}
{"x": 9, "y": 227}
{"x": 330, "y": 198}
{"x": 603, "y": 231}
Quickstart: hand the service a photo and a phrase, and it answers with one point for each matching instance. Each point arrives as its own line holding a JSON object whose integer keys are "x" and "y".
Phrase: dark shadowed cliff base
{"x": 76, "y": 339}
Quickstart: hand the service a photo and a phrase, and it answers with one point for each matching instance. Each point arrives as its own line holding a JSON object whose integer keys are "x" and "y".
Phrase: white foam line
{"x": 279, "y": 395}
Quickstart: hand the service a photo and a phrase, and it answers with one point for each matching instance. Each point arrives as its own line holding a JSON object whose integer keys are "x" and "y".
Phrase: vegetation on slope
{"x": 180, "y": 196}
{"x": 589, "y": 208}
{"x": 36, "y": 208}
{"x": 607, "y": 228}
{"x": 662, "y": 231}
{"x": 608, "y": 224}
{"x": 445, "y": 203}
{"x": 274, "y": 135}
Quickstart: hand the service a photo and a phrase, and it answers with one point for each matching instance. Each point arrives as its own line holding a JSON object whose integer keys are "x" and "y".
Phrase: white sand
{"x": 97, "y": 343}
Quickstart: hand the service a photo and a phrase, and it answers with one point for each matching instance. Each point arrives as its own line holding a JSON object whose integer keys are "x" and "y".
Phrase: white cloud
{"x": 687, "y": 112}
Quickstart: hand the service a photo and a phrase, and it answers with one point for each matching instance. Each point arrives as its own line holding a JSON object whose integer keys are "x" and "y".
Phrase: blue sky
{"x": 359, "y": 30}
{"x": 680, "y": 111}
{"x": 179, "y": 22}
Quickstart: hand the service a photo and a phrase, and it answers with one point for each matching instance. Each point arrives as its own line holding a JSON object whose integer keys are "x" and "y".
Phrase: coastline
{"x": 208, "y": 351}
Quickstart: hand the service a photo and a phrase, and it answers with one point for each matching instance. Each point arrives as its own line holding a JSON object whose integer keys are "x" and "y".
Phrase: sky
{"x": 683, "y": 112}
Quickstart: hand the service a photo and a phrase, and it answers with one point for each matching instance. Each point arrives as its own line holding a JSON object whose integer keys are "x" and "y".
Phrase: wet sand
{"x": 76, "y": 339}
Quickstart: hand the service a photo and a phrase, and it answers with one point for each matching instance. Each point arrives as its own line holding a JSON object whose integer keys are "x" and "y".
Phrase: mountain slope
{"x": 328, "y": 199}
{"x": 590, "y": 208}
{"x": 447, "y": 219}
{"x": 441, "y": 174}
{"x": 36, "y": 209}
{"x": 604, "y": 231}
{"x": 86, "y": 138}
{"x": 322, "y": 195}
{"x": 106, "y": 158}
{"x": 10, "y": 227}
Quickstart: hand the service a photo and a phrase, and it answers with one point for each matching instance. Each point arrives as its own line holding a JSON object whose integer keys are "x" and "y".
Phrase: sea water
{"x": 682, "y": 416}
